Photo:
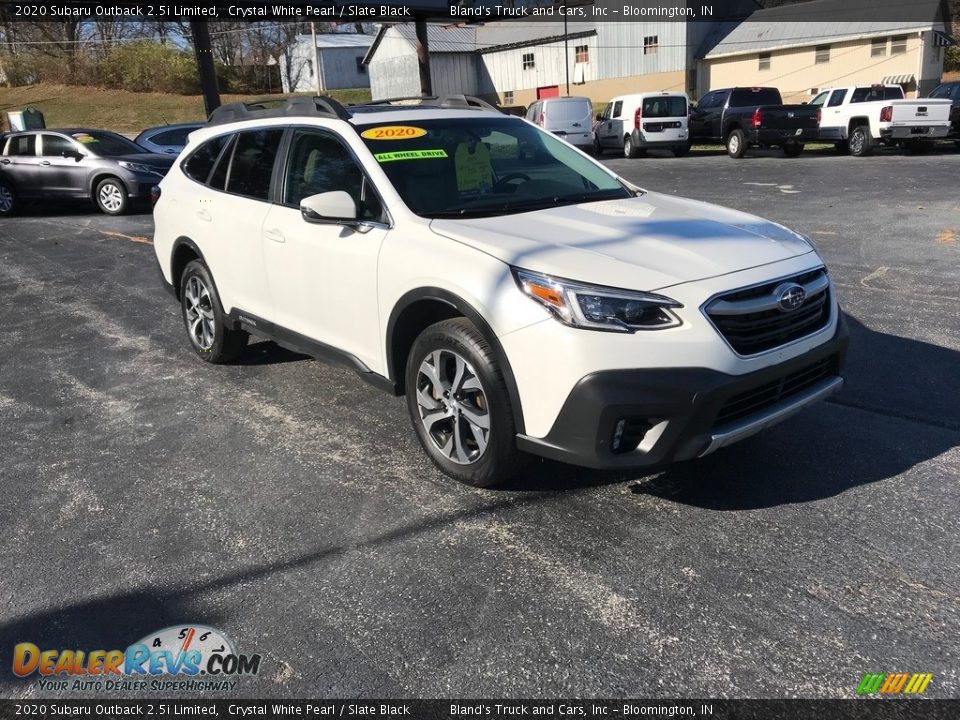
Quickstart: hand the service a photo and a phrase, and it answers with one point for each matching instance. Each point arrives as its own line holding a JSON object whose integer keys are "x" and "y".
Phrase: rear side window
{"x": 664, "y": 107}
{"x": 22, "y": 145}
{"x": 837, "y": 98}
{"x": 252, "y": 164}
{"x": 200, "y": 163}
{"x": 56, "y": 146}
{"x": 755, "y": 96}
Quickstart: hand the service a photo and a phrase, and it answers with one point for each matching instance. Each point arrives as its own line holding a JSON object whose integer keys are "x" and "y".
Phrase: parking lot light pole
{"x": 205, "y": 65}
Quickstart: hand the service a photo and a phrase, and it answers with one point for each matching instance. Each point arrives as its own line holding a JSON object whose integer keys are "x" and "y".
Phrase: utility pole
{"x": 316, "y": 58}
{"x": 208, "y": 71}
{"x": 423, "y": 55}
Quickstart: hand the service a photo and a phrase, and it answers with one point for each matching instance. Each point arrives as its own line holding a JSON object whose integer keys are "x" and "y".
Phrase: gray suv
{"x": 77, "y": 163}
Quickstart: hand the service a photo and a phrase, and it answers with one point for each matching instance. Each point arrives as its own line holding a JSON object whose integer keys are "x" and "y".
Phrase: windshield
{"x": 106, "y": 144}
{"x": 665, "y": 107}
{"x": 473, "y": 167}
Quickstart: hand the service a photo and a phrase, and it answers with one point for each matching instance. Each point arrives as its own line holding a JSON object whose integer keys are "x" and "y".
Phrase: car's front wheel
{"x": 8, "y": 199}
{"x": 459, "y": 405}
{"x": 210, "y": 334}
{"x": 111, "y": 196}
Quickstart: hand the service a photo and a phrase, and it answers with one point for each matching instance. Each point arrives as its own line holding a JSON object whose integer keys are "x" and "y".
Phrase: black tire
{"x": 597, "y": 147}
{"x": 8, "y": 199}
{"x": 681, "y": 150}
{"x": 737, "y": 145}
{"x": 792, "y": 150}
{"x": 212, "y": 337}
{"x": 110, "y": 196}
{"x": 630, "y": 150}
{"x": 458, "y": 447}
{"x": 861, "y": 142}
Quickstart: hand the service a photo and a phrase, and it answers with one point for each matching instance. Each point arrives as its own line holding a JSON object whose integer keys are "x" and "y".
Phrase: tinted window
{"x": 252, "y": 163}
{"x": 218, "y": 180}
{"x": 617, "y": 107}
{"x": 200, "y": 163}
{"x": 837, "y": 98}
{"x": 663, "y": 107}
{"x": 755, "y": 96}
{"x": 568, "y": 110}
{"x": 177, "y": 136}
{"x": 56, "y": 146}
{"x": 320, "y": 163}
{"x": 22, "y": 145}
{"x": 711, "y": 100}
{"x": 871, "y": 94}
{"x": 944, "y": 91}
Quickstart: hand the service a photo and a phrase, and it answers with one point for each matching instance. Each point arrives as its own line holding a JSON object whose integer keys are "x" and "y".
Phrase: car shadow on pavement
{"x": 67, "y": 208}
{"x": 115, "y": 621}
{"x": 267, "y": 352}
{"x": 898, "y": 409}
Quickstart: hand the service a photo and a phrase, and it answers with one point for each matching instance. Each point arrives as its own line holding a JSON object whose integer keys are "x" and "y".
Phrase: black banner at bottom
{"x": 861, "y": 709}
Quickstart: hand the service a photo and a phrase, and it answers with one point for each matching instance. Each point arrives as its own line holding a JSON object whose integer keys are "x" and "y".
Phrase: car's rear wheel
{"x": 8, "y": 199}
{"x": 861, "y": 142}
{"x": 630, "y": 149}
{"x": 211, "y": 336}
{"x": 681, "y": 150}
{"x": 737, "y": 144}
{"x": 459, "y": 405}
{"x": 597, "y": 147}
{"x": 111, "y": 196}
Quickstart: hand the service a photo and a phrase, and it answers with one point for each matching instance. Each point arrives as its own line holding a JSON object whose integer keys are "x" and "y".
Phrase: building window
{"x": 898, "y": 45}
{"x": 508, "y": 97}
{"x": 583, "y": 54}
{"x": 823, "y": 54}
{"x": 764, "y": 63}
{"x": 814, "y": 91}
{"x": 361, "y": 68}
{"x": 650, "y": 44}
{"x": 310, "y": 67}
{"x": 528, "y": 62}
{"x": 878, "y": 47}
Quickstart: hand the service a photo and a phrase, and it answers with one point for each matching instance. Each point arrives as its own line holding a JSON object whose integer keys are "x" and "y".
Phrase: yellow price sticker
{"x": 393, "y": 132}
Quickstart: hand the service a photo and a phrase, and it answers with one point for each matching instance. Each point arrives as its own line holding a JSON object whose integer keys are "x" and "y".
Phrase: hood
{"x": 645, "y": 243}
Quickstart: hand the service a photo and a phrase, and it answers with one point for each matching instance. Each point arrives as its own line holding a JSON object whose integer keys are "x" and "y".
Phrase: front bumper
{"x": 675, "y": 414}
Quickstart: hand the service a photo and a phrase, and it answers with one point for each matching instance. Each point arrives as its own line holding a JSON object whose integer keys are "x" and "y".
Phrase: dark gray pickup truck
{"x": 744, "y": 117}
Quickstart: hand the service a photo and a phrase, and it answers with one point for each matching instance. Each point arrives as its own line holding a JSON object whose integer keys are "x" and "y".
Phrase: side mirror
{"x": 329, "y": 208}
{"x": 75, "y": 154}
{"x": 599, "y": 117}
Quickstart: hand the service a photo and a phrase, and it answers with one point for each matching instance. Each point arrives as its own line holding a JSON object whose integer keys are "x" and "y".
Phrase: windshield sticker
{"x": 474, "y": 169}
{"x": 84, "y": 138}
{"x": 393, "y": 132}
{"x": 410, "y": 155}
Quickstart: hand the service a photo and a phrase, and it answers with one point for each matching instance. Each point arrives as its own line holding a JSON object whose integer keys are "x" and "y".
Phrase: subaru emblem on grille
{"x": 790, "y": 297}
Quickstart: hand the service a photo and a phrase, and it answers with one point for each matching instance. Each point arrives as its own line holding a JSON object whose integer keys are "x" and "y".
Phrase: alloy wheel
{"x": 6, "y": 199}
{"x": 111, "y": 198}
{"x": 856, "y": 142}
{"x": 453, "y": 406}
{"x": 198, "y": 308}
{"x": 734, "y": 144}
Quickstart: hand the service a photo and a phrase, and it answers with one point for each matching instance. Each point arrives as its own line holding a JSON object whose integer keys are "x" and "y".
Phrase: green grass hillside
{"x": 119, "y": 110}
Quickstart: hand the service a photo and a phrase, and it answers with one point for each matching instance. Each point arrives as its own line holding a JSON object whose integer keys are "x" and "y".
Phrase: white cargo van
{"x": 569, "y": 118}
{"x": 636, "y": 123}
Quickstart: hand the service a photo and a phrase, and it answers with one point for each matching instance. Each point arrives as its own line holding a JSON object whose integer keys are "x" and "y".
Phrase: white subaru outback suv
{"x": 523, "y": 298}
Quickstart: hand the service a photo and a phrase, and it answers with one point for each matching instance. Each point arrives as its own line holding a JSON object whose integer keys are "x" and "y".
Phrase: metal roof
{"x": 821, "y": 21}
{"x": 329, "y": 40}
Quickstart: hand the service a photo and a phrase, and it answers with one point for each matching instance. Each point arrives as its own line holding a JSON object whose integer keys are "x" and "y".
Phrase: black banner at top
{"x": 868, "y": 13}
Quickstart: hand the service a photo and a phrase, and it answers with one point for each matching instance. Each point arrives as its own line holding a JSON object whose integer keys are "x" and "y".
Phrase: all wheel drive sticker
{"x": 177, "y": 658}
{"x": 471, "y": 159}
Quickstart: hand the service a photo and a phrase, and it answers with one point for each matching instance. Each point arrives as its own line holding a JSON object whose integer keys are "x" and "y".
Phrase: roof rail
{"x": 319, "y": 106}
{"x": 387, "y": 101}
{"x": 466, "y": 101}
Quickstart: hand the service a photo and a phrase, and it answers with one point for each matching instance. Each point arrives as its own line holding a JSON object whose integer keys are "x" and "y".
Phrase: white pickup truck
{"x": 858, "y": 118}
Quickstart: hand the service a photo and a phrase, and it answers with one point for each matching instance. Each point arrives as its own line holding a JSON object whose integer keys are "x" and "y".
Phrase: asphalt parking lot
{"x": 288, "y": 504}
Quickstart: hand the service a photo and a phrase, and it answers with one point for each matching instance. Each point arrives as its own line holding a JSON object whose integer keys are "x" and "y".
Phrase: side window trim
{"x": 367, "y": 184}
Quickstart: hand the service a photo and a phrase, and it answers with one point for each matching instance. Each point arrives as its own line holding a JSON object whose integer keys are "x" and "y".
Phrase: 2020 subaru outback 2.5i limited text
{"x": 522, "y": 297}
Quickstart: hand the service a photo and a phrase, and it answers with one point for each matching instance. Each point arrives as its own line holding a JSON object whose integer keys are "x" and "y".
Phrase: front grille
{"x": 757, "y": 399}
{"x": 752, "y": 322}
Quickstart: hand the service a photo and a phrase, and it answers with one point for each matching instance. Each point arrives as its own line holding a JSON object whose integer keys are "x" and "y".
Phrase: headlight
{"x": 137, "y": 167}
{"x": 597, "y": 307}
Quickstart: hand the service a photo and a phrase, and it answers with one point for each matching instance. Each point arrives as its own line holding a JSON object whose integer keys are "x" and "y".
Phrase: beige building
{"x": 803, "y": 57}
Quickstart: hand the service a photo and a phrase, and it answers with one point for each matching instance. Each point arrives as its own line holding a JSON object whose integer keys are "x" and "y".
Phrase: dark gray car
{"x": 168, "y": 139}
{"x": 77, "y": 163}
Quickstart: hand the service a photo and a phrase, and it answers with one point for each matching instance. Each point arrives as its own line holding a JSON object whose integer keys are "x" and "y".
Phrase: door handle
{"x": 274, "y": 235}
{"x": 44, "y": 162}
{"x": 204, "y": 215}
{"x": 5, "y": 161}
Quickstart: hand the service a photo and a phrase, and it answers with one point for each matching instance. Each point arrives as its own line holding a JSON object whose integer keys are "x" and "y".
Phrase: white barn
{"x": 337, "y": 59}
